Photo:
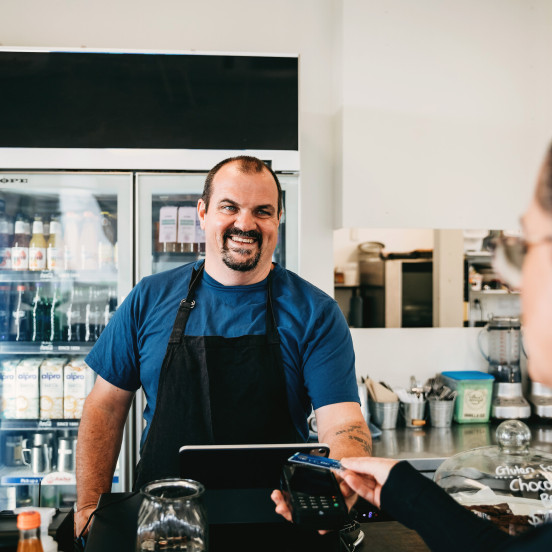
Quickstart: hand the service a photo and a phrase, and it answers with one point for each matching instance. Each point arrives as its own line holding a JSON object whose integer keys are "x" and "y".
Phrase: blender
{"x": 504, "y": 343}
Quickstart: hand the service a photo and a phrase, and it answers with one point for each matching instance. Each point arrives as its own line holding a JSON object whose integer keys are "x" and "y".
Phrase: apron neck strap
{"x": 186, "y": 305}
{"x": 271, "y": 328}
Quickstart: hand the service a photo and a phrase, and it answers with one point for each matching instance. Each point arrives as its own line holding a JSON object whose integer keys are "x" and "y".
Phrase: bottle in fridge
{"x": 37, "y": 246}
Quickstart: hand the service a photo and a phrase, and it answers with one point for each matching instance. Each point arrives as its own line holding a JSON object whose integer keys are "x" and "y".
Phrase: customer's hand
{"x": 81, "y": 517}
{"x": 282, "y": 508}
{"x": 366, "y": 476}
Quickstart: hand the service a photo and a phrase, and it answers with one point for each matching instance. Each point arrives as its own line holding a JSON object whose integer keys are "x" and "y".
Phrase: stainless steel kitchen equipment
{"x": 541, "y": 399}
{"x": 503, "y": 336}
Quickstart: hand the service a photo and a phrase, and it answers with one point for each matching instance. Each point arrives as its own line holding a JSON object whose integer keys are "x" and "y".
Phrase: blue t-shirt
{"x": 316, "y": 343}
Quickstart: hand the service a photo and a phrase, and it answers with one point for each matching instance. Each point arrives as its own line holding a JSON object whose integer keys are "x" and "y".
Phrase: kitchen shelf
{"x": 80, "y": 276}
{"x": 45, "y": 347}
{"x": 31, "y": 424}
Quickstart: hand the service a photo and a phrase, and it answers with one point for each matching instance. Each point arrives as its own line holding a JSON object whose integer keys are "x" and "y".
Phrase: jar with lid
{"x": 509, "y": 484}
{"x": 171, "y": 517}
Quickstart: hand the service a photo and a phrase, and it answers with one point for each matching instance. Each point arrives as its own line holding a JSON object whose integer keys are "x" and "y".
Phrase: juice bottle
{"x": 28, "y": 524}
{"x": 54, "y": 246}
{"x": 5, "y": 242}
{"x": 20, "y": 247}
{"x": 37, "y": 246}
{"x": 186, "y": 228}
{"x": 168, "y": 216}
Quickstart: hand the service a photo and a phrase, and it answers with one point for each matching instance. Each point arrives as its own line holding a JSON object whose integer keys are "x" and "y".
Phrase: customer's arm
{"x": 98, "y": 444}
{"x": 420, "y": 504}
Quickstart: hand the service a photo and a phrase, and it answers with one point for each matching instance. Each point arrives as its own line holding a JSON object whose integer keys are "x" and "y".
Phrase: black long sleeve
{"x": 420, "y": 504}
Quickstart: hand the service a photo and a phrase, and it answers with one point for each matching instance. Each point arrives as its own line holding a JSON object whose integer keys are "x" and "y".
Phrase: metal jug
{"x": 38, "y": 457}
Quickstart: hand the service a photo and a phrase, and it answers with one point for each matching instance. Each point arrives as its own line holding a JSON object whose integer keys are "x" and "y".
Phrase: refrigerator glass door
{"x": 168, "y": 232}
{"x": 65, "y": 265}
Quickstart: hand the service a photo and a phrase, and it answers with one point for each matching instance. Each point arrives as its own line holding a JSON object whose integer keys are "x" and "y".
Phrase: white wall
{"x": 304, "y": 27}
{"x": 446, "y": 111}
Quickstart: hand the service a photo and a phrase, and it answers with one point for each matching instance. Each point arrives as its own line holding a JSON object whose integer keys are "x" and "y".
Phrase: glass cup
{"x": 171, "y": 517}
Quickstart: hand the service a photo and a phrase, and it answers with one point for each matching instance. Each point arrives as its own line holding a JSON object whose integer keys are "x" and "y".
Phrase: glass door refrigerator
{"x": 65, "y": 264}
{"x": 168, "y": 232}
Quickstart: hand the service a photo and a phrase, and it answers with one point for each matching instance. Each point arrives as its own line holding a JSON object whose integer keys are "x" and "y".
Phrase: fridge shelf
{"x": 32, "y": 348}
{"x": 184, "y": 257}
{"x": 81, "y": 276}
{"x": 24, "y": 476}
{"x": 30, "y": 424}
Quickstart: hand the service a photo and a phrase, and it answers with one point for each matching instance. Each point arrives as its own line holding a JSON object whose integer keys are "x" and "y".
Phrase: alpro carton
{"x": 7, "y": 388}
{"x": 27, "y": 387}
{"x": 51, "y": 388}
{"x": 77, "y": 382}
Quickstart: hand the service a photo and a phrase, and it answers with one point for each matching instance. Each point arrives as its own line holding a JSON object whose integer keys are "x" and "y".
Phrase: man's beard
{"x": 250, "y": 263}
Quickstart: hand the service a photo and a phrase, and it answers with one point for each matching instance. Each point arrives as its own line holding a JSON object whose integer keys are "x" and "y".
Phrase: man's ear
{"x": 201, "y": 210}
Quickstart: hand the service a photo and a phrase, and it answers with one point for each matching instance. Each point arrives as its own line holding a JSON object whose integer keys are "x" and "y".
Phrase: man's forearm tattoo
{"x": 358, "y": 433}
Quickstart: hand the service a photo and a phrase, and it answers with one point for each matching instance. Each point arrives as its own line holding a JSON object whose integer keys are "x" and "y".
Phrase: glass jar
{"x": 509, "y": 484}
{"x": 171, "y": 517}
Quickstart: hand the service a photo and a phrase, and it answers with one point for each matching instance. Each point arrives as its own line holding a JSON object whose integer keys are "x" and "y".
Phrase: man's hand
{"x": 81, "y": 518}
{"x": 282, "y": 508}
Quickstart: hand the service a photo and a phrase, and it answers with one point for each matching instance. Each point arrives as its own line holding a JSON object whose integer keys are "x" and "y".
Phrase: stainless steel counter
{"x": 427, "y": 447}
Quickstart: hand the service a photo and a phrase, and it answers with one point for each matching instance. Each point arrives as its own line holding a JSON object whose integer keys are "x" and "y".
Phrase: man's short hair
{"x": 246, "y": 164}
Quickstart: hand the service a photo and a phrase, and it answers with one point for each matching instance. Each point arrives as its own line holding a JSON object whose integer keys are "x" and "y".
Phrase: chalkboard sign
{"x": 138, "y": 100}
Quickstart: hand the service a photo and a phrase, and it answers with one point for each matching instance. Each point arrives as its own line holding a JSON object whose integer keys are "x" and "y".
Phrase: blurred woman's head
{"x": 537, "y": 277}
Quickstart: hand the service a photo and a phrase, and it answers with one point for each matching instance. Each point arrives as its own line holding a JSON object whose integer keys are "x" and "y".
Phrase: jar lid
{"x": 509, "y": 483}
{"x": 370, "y": 250}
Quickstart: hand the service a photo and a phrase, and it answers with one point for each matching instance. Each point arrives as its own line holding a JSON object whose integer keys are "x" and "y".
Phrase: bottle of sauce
{"x": 37, "y": 246}
{"x": 54, "y": 247}
{"x": 28, "y": 524}
{"x": 20, "y": 247}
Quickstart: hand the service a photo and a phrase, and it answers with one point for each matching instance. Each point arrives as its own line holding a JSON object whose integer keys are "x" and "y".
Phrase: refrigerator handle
{"x": 128, "y": 457}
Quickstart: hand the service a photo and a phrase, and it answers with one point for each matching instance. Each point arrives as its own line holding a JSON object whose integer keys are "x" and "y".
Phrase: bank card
{"x": 315, "y": 461}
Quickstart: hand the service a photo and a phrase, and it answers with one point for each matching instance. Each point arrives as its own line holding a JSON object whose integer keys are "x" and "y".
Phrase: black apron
{"x": 215, "y": 390}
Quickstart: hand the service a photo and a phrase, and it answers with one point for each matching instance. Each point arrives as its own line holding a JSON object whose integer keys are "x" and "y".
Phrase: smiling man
{"x": 234, "y": 349}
